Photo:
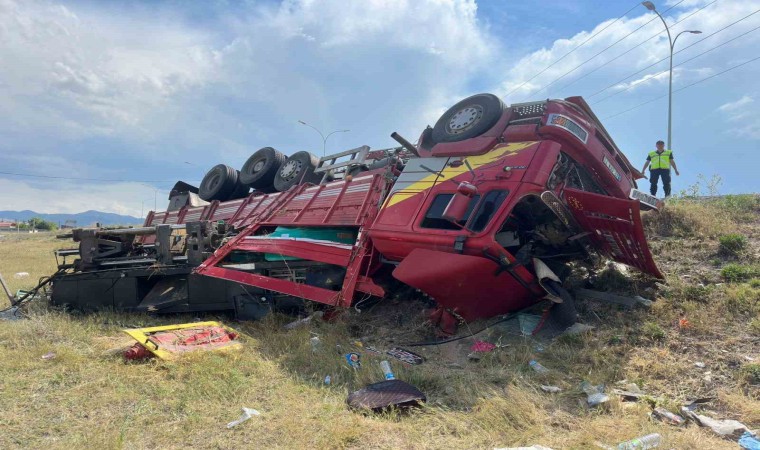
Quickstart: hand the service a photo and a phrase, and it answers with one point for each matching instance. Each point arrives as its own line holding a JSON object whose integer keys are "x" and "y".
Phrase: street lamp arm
{"x": 667, "y": 29}
{"x": 313, "y": 128}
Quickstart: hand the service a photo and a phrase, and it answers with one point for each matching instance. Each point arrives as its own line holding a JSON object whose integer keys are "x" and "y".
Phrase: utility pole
{"x": 650, "y": 6}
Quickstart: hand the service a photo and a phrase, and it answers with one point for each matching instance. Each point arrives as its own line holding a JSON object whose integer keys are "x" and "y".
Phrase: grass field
{"x": 88, "y": 397}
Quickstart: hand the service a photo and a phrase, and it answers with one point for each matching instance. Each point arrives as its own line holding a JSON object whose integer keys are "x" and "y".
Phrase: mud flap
{"x": 470, "y": 286}
{"x": 615, "y": 226}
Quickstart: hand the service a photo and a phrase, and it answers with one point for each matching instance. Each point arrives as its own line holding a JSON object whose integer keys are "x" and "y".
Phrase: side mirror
{"x": 457, "y": 208}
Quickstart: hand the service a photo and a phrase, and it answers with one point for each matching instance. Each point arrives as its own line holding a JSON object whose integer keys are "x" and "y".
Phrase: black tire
{"x": 219, "y": 183}
{"x": 469, "y": 118}
{"x": 260, "y": 169}
{"x": 562, "y": 314}
{"x": 241, "y": 190}
{"x": 298, "y": 168}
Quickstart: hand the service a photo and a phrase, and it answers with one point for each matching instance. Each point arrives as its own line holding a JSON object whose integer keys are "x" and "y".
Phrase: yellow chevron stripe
{"x": 451, "y": 172}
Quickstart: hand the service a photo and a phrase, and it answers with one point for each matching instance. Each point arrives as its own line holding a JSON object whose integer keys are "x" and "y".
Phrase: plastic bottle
{"x": 535, "y": 365}
{"x": 641, "y": 443}
{"x": 386, "y": 366}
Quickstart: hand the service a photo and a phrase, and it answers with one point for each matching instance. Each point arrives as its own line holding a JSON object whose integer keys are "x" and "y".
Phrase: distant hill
{"x": 83, "y": 219}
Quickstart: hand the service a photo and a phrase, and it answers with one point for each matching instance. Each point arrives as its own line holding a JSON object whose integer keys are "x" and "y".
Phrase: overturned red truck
{"x": 483, "y": 215}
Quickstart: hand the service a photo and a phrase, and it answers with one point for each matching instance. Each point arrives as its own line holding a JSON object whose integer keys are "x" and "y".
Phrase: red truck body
{"x": 462, "y": 221}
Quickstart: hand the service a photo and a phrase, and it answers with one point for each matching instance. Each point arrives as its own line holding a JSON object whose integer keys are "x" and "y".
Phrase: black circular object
{"x": 241, "y": 190}
{"x": 260, "y": 169}
{"x": 219, "y": 183}
{"x": 298, "y": 168}
{"x": 469, "y": 118}
{"x": 562, "y": 314}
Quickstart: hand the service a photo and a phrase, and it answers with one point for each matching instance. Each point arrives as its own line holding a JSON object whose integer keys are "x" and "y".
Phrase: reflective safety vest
{"x": 660, "y": 160}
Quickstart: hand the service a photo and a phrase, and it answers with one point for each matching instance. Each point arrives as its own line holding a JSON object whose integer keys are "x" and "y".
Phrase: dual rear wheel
{"x": 267, "y": 170}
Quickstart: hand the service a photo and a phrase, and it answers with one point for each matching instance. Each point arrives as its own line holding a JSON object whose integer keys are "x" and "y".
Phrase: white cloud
{"x": 84, "y": 88}
{"x": 712, "y": 18}
{"x": 77, "y": 76}
{"x": 733, "y": 106}
{"x": 742, "y": 117}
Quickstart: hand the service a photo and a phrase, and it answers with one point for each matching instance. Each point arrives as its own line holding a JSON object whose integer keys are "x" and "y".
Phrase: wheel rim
{"x": 290, "y": 170}
{"x": 213, "y": 182}
{"x": 258, "y": 166}
{"x": 464, "y": 119}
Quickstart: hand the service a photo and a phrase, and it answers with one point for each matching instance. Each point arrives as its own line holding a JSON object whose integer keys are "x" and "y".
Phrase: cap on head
{"x": 660, "y": 143}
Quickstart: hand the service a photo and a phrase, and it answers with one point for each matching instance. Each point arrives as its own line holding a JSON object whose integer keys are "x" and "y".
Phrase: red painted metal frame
{"x": 342, "y": 203}
{"x": 615, "y": 226}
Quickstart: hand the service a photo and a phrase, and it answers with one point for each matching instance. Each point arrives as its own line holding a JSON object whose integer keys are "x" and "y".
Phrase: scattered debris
{"x": 353, "y": 360}
{"x": 387, "y": 372}
{"x": 699, "y": 364}
{"x": 405, "y": 356}
{"x": 641, "y": 443}
{"x": 247, "y": 414}
{"x": 628, "y": 302}
{"x": 728, "y": 428}
{"x": 169, "y": 341}
{"x": 532, "y": 447}
{"x": 315, "y": 343}
{"x": 630, "y": 392}
{"x": 49, "y": 356}
{"x": 749, "y": 441}
{"x": 596, "y": 395}
{"x": 302, "y": 322}
{"x": 12, "y": 313}
{"x": 20, "y": 275}
{"x": 536, "y": 366}
{"x": 528, "y": 323}
{"x": 372, "y": 350}
{"x": 577, "y": 328}
{"x": 482, "y": 347}
{"x": 328, "y": 379}
{"x": 666, "y": 416}
{"x": 551, "y": 389}
{"x": 683, "y": 323}
{"x": 137, "y": 352}
{"x": 385, "y": 394}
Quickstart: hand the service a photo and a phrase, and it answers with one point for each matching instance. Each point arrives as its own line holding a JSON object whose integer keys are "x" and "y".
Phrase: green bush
{"x": 742, "y": 299}
{"x": 733, "y": 243}
{"x": 739, "y": 272}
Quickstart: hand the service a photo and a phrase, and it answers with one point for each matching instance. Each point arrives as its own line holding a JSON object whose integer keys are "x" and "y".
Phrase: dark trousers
{"x": 654, "y": 177}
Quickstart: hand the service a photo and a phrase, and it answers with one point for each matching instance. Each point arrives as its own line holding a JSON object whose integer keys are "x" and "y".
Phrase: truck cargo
{"x": 483, "y": 214}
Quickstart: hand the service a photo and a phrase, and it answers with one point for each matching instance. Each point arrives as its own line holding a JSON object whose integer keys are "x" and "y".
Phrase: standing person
{"x": 660, "y": 161}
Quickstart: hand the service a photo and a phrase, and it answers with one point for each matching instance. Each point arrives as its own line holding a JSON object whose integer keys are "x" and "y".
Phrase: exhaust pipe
{"x": 404, "y": 143}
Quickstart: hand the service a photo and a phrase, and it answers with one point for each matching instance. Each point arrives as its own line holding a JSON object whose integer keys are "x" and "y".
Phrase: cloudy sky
{"x": 128, "y": 97}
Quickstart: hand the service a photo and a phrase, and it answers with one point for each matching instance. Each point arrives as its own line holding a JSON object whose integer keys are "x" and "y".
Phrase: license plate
{"x": 643, "y": 197}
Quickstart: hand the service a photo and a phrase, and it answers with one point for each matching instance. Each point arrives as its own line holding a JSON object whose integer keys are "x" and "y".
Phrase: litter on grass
{"x": 551, "y": 389}
{"x": 385, "y": 394}
{"x": 170, "y": 341}
{"x": 730, "y": 429}
{"x": 247, "y": 414}
{"x": 405, "y": 356}
{"x": 532, "y": 447}
{"x": 596, "y": 395}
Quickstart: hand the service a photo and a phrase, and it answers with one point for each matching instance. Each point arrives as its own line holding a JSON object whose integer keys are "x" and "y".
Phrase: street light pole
{"x": 650, "y": 6}
{"x": 324, "y": 138}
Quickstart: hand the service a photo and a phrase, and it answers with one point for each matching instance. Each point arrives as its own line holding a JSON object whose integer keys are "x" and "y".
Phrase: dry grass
{"x": 32, "y": 253}
{"x": 88, "y": 397}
